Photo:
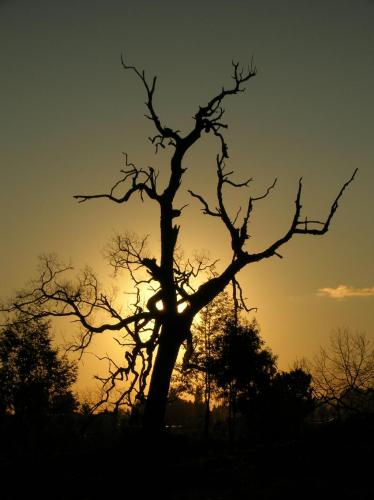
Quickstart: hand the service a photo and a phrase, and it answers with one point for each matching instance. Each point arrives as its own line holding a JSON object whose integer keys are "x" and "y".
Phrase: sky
{"x": 69, "y": 111}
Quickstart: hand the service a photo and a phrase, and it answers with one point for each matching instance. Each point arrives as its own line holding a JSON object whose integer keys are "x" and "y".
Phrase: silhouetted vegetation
{"x": 343, "y": 374}
{"x": 35, "y": 380}
{"x": 280, "y": 448}
{"x": 267, "y": 433}
{"x": 196, "y": 375}
{"x": 231, "y": 368}
{"x": 155, "y": 329}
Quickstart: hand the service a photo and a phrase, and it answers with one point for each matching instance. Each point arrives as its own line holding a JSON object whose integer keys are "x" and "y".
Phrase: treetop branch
{"x": 240, "y": 77}
{"x": 163, "y": 132}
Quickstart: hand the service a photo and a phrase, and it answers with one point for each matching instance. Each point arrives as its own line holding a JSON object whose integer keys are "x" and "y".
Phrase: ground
{"x": 333, "y": 462}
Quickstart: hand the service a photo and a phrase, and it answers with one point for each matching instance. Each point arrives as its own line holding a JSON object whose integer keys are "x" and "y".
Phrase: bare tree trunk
{"x": 155, "y": 407}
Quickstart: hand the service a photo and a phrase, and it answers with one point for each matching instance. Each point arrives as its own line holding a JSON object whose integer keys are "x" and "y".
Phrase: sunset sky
{"x": 68, "y": 111}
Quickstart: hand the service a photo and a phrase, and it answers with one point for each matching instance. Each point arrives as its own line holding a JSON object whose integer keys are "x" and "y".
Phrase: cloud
{"x": 343, "y": 291}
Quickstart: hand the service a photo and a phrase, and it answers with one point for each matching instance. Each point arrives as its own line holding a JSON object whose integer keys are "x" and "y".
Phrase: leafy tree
{"x": 231, "y": 362}
{"x": 343, "y": 373}
{"x": 154, "y": 331}
{"x": 288, "y": 401}
{"x": 34, "y": 378}
{"x": 295, "y": 390}
{"x": 243, "y": 368}
{"x": 235, "y": 365}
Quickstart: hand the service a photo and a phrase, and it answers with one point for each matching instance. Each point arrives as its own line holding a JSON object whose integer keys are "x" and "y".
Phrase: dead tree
{"x": 153, "y": 333}
{"x": 343, "y": 373}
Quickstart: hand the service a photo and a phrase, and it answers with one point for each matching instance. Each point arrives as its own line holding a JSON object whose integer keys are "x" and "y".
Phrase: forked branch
{"x": 141, "y": 181}
{"x": 238, "y": 234}
{"x": 301, "y": 226}
{"x": 212, "y": 287}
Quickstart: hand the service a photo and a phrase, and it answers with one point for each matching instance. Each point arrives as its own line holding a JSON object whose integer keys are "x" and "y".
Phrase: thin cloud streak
{"x": 343, "y": 291}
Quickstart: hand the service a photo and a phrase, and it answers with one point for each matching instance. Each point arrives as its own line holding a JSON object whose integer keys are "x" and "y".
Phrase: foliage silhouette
{"x": 280, "y": 411}
{"x": 34, "y": 378}
{"x": 153, "y": 334}
{"x": 243, "y": 368}
{"x": 230, "y": 364}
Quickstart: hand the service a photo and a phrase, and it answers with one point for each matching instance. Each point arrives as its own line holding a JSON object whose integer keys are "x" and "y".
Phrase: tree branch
{"x": 134, "y": 174}
{"x": 208, "y": 290}
{"x": 164, "y": 133}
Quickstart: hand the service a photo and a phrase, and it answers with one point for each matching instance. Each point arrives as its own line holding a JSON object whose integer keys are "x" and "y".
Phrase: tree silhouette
{"x": 34, "y": 378}
{"x": 195, "y": 376}
{"x": 154, "y": 332}
{"x": 230, "y": 363}
{"x": 343, "y": 373}
{"x": 283, "y": 407}
{"x": 242, "y": 369}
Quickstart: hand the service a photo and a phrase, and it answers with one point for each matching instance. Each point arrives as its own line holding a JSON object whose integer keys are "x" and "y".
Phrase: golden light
{"x": 181, "y": 307}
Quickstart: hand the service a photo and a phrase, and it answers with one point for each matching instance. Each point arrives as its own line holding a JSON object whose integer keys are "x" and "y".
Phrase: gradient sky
{"x": 68, "y": 110}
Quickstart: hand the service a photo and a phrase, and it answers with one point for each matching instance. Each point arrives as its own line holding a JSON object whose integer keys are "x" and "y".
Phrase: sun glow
{"x": 181, "y": 307}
